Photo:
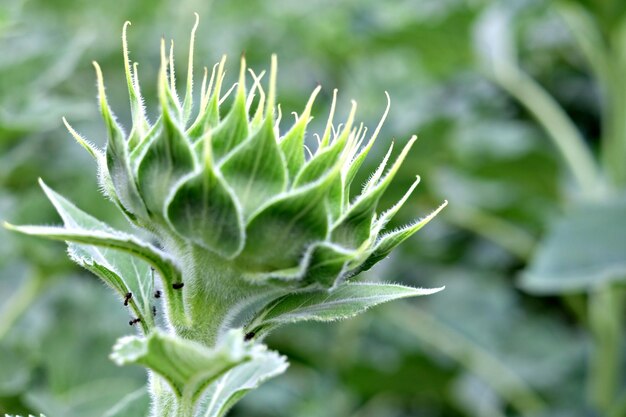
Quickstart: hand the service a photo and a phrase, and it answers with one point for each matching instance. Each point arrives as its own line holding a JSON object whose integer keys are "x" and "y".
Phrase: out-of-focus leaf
{"x": 134, "y": 404}
{"x": 584, "y": 249}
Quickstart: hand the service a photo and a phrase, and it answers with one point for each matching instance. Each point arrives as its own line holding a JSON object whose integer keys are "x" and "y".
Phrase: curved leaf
{"x": 230, "y": 388}
{"x": 583, "y": 249}
{"x": 204, "y": 210}
{"x": 344, "y": 301}
{"x": 256, "y": 170}
{"x": 278, "y": 234}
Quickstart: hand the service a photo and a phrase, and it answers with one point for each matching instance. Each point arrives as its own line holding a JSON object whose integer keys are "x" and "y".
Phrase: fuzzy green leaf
{"x": 388, "y": 241}
{"x": 354, "y": 227}
{"x": 327, "y": 264}
{"x": 189, "y": 367}
{"x": 168, "y": 158}
{"x": 277, "y": 235}
{"x": 233, "y": 129}
{"x": 256, "y": 170}
{"x": 292, "y": 143}
{"x": 203, "y": 209}
{"x": 344, "y": 301}
{"x": 119, "y": 259}
{"x": 230, "y": 388}
{"x": 117, "y": 158}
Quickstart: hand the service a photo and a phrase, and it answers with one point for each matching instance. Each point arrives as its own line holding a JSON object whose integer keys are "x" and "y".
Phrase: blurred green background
{"x": 520, "y": 107}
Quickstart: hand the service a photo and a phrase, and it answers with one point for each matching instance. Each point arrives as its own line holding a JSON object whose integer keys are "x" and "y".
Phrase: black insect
{"x": 134, "y": 321}
{"x": 154, "y": 311}
{"x": 248, "y": 336}
{"x": 127, "y": 298}
{"x": 178, "y": 285}
{"x": 157, "y": 294}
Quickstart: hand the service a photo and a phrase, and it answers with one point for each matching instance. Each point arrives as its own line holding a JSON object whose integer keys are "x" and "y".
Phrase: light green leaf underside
{"x": 583, "y": 249}
{"x": 230, "y": 388}
{"x": 256, "y": 170}
{"x": 167, "y": 159}
{"x": 203, "y": 209}
{"x": 233, "y": 129}
{"x": 125, "y": 272}
{"x": 188, "y": 367}
{"x": 292, "y": 143}
{"x": 327, "y": 263}
{"x": 277, "y": 234}
{"x": 344, "y": 301}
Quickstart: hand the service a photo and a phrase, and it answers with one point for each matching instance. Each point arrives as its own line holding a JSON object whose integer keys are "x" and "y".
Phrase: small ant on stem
{"x": 127, "y": 298}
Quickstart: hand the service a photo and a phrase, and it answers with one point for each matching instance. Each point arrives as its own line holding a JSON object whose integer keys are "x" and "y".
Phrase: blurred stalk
{"x": 606, "y": 308}
{"x": 496, "y": 46}
{"x": 20, "y": 302}
{"x": 607, "y": 61}
{"x": 495, "y": 373}
{"x": 556, "y": 123}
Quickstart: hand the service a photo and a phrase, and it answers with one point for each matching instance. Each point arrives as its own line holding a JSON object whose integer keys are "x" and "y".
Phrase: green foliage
{"x": 218, "y": 214}
{"x": 485, "y": 346}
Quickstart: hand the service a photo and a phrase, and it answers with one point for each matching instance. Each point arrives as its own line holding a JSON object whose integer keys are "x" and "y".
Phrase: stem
{"x": 556, "y": 123}
{"x": 606, "y": 61}
{"x": 19, "y": 302}
{"x": 605, "y": 320}
{"x": 614, "y": 123}
{"x": 504, "y": 381}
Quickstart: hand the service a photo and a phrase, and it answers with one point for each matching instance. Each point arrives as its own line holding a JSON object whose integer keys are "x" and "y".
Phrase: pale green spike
{"x": 163, "y": 76}
{"x": 205, "y": 77}
{"x": 278, "y": 119}
{"x": 188, "y": 102}
{"x": 393, "y": 238}
{"x": 107, "y": 114}
{"x": 138, "y": 89}
{"x": 340, "y": 139}
{"x": 166, "y": 94}
{"x": 380, "y": 124}
{"x": 354, "y": 143}
{"x": 258, "y": 114}
{"x": 227, "y": 94}
{"x": 241, "y": 84}
{"x": 138, "y": 115}
{"x": 208, "y": 114}
{"x": 206, "y": 93}
{"x": 271, "y": 95}
{"x": 396, "y": 165}
{"x": 207, "y": 152}
{"x": 303, "y": 120}
{"x": 255, "y": 86}
{"x": 360, "y": 157}
{"x": 172, "y": 73}
{"x": 388, "y": 214}
{"x": 219, "y": 79}
{"x": 373, "y": 180}
{"x": 89, "y": 147}
{"x": 329, "y": 124}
